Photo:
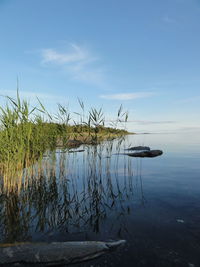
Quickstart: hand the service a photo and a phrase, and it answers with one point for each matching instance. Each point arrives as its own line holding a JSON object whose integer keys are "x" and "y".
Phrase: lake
{"x": 101, "y": 194}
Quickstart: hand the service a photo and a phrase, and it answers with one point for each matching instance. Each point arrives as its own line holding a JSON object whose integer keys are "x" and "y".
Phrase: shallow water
{"x": 153, "y": 203}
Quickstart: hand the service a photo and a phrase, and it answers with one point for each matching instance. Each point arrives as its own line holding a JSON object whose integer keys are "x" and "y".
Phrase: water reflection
{"x": 69, "y": 191}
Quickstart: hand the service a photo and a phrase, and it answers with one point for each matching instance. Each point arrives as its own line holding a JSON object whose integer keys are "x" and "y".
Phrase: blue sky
{"x": 139, "y": 53}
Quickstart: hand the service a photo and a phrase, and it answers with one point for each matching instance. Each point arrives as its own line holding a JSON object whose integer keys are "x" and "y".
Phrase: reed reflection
{"x": 70, "y": 192}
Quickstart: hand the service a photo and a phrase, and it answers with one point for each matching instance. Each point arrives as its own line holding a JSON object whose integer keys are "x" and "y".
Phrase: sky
{"x": 143, "y": 54}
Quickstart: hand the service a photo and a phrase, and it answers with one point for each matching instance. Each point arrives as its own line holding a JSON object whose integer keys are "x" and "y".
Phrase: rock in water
{"x": 74, "y": 151}
{"x": 136, "y": 148}
{"x": 56, "y": 253}
{"x": 146, "y": 154}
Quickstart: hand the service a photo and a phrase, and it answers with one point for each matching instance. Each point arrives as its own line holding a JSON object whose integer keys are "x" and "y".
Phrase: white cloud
{"x": 190, "y": 128}
{"x": 76, "y": 54}
{"x": 78, "y": 62}
{"x": 168, "y": 19}
{"x": 127, "y": 96}
{"x": 189, "y": 100}
{"x": 146, "y": 122}
{"x": 28, "y": 95}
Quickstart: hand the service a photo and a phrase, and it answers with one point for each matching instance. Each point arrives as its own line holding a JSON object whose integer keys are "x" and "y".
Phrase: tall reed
{"x": 26, "y": 132}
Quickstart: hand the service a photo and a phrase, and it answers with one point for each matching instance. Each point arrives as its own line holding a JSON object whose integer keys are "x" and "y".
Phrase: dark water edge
{"x": 152, "y": 203}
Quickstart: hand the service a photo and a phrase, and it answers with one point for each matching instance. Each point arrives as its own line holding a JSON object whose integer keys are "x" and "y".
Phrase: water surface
{"x": 153, "y": 203}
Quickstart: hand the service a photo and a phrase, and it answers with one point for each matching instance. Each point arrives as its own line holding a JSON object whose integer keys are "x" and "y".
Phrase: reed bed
{"x": 26, "y": 132}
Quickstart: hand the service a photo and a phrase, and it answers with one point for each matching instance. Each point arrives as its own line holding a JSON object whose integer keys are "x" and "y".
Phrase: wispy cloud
{"x": 31, "y": 95}
{"x": 168, "y": 19}
{"x": 76, "y": 54}
{"x": 128, "y": 96}
{"x": 189, "y": 100}
{"x": 78, "y": 62}
{"x": 146, "y": 122}
{"x": 190, "y": 128}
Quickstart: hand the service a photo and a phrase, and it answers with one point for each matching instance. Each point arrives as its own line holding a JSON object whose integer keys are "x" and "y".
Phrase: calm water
{"x": 153, "y": 203}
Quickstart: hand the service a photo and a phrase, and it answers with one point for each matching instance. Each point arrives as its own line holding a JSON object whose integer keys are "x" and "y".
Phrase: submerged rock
{"x": 56, "y": 253}
{"x": 136, "y": 148}
{"x": 146, "y": 154}
{"x": 74, "y": 151}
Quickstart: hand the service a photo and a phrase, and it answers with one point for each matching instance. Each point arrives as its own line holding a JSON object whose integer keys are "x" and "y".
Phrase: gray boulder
{"x": 146, "y": 154}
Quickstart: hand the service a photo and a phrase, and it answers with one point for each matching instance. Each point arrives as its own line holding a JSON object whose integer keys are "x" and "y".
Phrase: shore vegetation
{"x": 26, "y": 132}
